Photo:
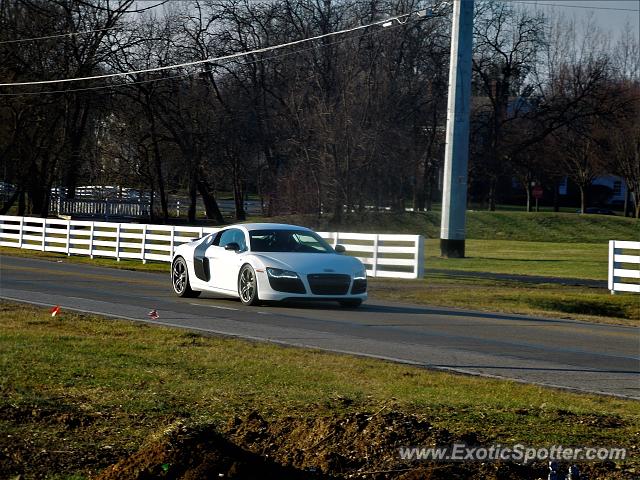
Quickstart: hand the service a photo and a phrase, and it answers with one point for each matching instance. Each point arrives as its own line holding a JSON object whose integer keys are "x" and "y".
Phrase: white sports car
{"x": 268, "y": 261}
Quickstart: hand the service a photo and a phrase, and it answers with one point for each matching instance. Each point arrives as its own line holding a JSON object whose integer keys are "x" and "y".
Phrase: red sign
{"x": 538, "y": 192}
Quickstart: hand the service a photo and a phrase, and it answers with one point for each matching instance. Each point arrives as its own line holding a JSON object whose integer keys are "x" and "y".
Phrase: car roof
{"x": 268, "y": 226}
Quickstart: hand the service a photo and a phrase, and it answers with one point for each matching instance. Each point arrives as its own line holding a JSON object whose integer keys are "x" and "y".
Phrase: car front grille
{"x": 329, "y": 283}
{"x": 359, "y": 286}
{"x": 289, "y": 285}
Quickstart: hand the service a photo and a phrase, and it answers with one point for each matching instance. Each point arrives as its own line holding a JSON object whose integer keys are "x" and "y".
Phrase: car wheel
{"x": 180, "y": 279}
{"x": 248, "y": 286}
{"x": 351, "y": 303}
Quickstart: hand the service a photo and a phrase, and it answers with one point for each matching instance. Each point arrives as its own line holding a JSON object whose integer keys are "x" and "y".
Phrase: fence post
{"x": 612, "y": 266}
{"x": 44, "y": 234}
{"x": 91, "y": 239}
{"x": 173, "y": 234}
{"x": 68, "y": 237}
{"x": 118, "y": 242}
{"x": 20, "y": 240}
{"x": 419, "y": 268}
{"x": 144, "y": 243}
{"x": 374, "y": 267}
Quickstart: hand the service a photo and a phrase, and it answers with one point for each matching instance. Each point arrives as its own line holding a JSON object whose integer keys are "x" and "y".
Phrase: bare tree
{"x": 506, "y": 52}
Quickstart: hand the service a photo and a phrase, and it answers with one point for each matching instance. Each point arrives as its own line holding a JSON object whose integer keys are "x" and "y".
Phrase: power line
{"x": 386, "y": 21}
{"x": 575, "y": 6}
{"x": 184, "y": 75}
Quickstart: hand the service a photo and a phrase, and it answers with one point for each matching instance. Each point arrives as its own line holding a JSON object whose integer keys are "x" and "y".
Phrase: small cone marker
{"x": 55, "y": 310}
{"x": 153, "y": 314}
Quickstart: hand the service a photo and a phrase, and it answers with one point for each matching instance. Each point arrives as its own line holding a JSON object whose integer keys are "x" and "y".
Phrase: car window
{"x": 277, "y": 240}
{"x": 309, "y": 242}
{"x": 231, "y": 235}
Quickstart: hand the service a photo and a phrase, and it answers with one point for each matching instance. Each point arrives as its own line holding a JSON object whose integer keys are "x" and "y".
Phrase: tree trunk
{"x": 193, "y": 198}
{"x": 429, "y": 193}
{"x": 492, "y": 195}
{"x": 238, "y": 198}
{"x": 556, "y": 197}
{"x": 74, "y": 160}
{"x": 337, "y": 211}
{"x": 583, "y": 198}
{"x": 527, "y": 189}
{"x": 210, "y": 205}
{"x": 22, "y": 203}
{"x": 158, "y": 167}
{"x": 418, "y": 188}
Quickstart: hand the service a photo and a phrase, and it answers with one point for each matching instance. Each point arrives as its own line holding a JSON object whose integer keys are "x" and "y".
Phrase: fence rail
{"x": 102, "y": 208}
{"x": 392, "y": 256}
{"x": 136, "y": 208}
{"x": 623, "y": 264}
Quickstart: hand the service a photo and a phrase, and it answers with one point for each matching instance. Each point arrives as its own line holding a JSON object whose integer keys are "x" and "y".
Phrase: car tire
{"x": 248, "y": 286}
{"x": 180, "y": 279}
{"x": 355, "y": 303}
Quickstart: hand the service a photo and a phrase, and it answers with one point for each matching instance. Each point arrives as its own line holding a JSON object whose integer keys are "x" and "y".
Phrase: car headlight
{"x": 279, "y": 273}
{"x": 361, "y": 275}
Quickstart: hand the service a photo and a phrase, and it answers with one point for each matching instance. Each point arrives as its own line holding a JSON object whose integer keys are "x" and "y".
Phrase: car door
{"x": 225, "y": 264}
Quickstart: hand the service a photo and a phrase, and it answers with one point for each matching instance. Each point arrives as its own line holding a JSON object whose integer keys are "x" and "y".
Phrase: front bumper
{"x": 354, "y": 289}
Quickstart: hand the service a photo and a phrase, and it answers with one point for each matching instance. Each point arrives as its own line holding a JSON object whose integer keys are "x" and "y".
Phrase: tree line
{"x": 345, "y": 122}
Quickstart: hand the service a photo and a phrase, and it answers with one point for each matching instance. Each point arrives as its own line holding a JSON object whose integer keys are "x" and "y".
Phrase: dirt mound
{"x": 337, "y": 444}
{"x": 362, "y": 445}
{"x": 200, "y": 453}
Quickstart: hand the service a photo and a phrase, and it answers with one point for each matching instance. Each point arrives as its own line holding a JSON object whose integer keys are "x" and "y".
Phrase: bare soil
{"x": 339, "y": 446}
{"x": 362, "y": 445}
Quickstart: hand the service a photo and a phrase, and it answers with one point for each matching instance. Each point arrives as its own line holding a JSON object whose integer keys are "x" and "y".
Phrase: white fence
{"x": 393, "y": 256}
{"x": 617, "y": 257}
{"x": 103, "y": 208}
{"x": 128, "y": 207}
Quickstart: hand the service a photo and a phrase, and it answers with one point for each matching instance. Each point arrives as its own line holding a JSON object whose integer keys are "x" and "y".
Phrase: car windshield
{"x": 277, "y": 240}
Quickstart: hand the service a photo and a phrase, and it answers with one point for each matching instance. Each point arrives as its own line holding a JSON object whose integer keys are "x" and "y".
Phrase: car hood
{"x": 305, "y": 263}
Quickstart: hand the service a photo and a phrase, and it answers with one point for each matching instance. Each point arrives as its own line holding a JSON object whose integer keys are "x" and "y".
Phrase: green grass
{"x": 587, "y": 261}
{"x": 520, "y": 226}
{"x": 129, "y": 381}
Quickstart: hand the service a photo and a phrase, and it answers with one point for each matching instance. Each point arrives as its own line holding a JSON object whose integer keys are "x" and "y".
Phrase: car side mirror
{"x": 232, "y": 246}
{"x": 340, "y": 249}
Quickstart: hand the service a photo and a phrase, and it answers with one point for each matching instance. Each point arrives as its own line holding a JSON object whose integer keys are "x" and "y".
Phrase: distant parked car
{"x": 597, "y": 211}
{"x": 7, "y": 188}
{"x": 268, "y": 261}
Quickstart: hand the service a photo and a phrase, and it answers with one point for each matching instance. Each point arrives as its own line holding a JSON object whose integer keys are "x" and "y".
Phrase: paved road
{"x": 566, "y": 353}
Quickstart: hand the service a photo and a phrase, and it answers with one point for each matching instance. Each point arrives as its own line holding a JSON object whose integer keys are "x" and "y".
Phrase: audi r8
{"x": 268, "y": 262}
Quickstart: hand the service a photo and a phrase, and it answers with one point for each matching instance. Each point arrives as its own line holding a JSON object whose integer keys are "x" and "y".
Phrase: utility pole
{"x": 456, "y": 159}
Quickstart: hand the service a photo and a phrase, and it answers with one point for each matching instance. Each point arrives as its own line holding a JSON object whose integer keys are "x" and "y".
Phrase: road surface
{"x": 562, "y": 353}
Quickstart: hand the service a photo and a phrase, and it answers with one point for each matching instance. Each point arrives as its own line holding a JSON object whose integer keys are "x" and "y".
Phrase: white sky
{"x": 602, "y": 10}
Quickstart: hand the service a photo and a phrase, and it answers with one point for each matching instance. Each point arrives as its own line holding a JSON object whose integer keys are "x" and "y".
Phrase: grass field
{"x": 482, "y": 225}
{"x": 90, "y": 390}
{"x": 588, "y": 261}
